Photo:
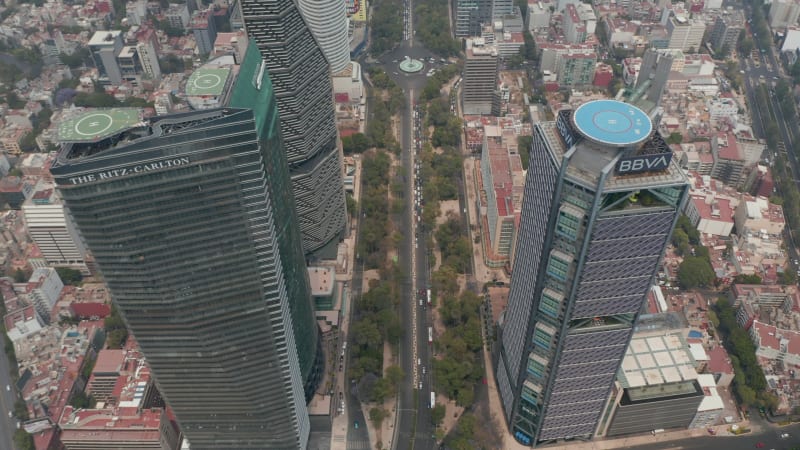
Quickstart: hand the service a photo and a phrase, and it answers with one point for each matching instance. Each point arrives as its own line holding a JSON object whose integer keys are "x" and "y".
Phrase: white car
{"x": 8, "y": 388}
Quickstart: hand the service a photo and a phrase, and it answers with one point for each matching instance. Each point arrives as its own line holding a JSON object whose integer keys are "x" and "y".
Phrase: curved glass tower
{"x": 190, "y": 222}
{"x": 327, "y": 20}
{"x": 304, "y": 92}
{"x": 601, "y": 200}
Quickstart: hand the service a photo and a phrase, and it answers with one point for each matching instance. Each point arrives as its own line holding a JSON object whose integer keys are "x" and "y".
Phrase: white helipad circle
{"x": 93, "y": 124}
{"x": 207, "y": 81}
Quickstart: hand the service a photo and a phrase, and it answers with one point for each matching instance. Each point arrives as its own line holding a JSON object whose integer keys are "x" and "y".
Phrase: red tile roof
{"x": 719, "y": 362}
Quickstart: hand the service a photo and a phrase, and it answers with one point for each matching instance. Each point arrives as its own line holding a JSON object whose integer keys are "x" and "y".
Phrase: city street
{"x": 767, "y": 71}
{"x": 7, "y": 424}
{"x": 413, "y": 428}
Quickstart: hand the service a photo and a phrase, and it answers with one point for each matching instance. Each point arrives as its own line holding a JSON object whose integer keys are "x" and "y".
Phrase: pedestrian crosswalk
{"x": 358, "y": 445}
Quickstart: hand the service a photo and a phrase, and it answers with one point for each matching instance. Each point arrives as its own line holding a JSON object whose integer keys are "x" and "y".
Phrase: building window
{"x": 530, "y": 392}
{"x": 535, "y": 367}
{"x": 541, "y": 338}
{"x": 550, "y": 305}
{"x": 569, "y": 222}
{"x": 558, "y": 265}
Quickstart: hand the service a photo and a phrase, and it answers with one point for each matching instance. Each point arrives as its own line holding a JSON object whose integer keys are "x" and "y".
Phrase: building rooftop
{"x": 783, "y": 341}
{"x": 98, "y": 124}
{"x": 718, "y": 361}
{"x": 109, "y": 361}
{"x": 656, "y": 359}
{"x": 207, "y": 81}
{"x": 322, "y": 280}
{"x": 104, "y": 38}
{"x": 720, "y": 209}
{"x": 612, "y": 122}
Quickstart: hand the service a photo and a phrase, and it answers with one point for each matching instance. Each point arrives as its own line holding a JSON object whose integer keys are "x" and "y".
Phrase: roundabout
{"x": 409, "y": 65}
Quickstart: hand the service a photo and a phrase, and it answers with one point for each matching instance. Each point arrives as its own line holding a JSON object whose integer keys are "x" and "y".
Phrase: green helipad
{"x": 97, "y": 124}
{"x": 207, "y": 81}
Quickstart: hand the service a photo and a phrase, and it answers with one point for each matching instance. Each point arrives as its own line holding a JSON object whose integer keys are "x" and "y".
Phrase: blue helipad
{"x": 611, "y": 122}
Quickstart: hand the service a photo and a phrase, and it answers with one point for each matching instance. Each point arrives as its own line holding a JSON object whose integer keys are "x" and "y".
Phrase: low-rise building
{"x": 776, "y": 344}
{"x": 710, "y": 215}
{"x": 502, "y": 183}
{"x": 729, "y": 163}
{"x": 118, "y": 428}
{"x": 659, "y": 382}
{"x": 44, "y": 288}
{"x": 756, "y": 215}
{"x": 722, "y": 108}
{"x": 712, "y": 405}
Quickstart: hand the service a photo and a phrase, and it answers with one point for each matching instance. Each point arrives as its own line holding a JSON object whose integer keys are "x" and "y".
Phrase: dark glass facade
{"x": 588, "y": 247}
{"x": 304, "y": 93}
{"x": 191, "y": 226}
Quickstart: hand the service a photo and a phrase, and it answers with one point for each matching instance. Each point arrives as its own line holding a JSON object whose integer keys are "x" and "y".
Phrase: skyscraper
{"x": 653, "y": 76}
{"x": 601, "y": 199}
{"x": 480, "y": 77}
{"x": 327, "y": 20}
{"x": 192, "y": 226}
{"x": 304, "y": 93}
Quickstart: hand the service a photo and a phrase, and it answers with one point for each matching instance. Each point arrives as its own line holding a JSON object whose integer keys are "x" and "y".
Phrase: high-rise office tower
{"x": 192, "y": 226}
{"x": 470, "y": 16}
{"x": 601, "y": 199}
{"x": 653, "y": 76}
{"x": 52, "y": 229}
{"x": 480, "y": 77}
{"x": 327, "y": 20}
{"x": 304, "y": 92}
{"x": 784, "y": 13}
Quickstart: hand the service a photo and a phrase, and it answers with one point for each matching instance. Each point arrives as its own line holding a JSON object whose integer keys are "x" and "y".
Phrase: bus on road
{"x": 433, "y": 399}
{"x": 430, "y": 335}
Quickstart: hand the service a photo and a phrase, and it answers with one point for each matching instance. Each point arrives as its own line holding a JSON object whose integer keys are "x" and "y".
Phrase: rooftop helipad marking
{"x": 612, "y": 122}
{"x": 93, "y": 124}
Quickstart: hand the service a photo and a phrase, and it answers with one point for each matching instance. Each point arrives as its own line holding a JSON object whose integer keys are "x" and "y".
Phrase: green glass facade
{"x": 190, "y": 222}
{"x": 246, "y": 95}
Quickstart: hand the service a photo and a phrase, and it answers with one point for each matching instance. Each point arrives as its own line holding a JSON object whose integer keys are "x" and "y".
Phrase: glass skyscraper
{"x": 304, "y": 91}
{"x": 601, "y": 199}
{"x": 191, "y": 223}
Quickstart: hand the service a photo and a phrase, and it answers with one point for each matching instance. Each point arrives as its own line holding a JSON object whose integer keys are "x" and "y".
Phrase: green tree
{"x": 747, "y": 279}
{"x": 437, "y": 414}
{"x": 80, "y": 400}
{"x": 21, "y": 409}
{"x": 381, "y": 390}
{"x": 695, "y": 271}
{"x": 377, "y": 415}
{"x": 356, "y": 143}
{"x": 675, "y": 138}
{"x": 69, "y": 276}
{"x": 23, "y": 440}
{"x": 395, "y": 375}
{"x": 171, "y": 63}
{"x": 95, "y": 100}
{"x": 351, "y": 204}
{"x": 21, "y": 276}
{"x": 364, "y": 332}
{"x": 681, "y": 241}
{"x": 77, "y": 59}
{"x": 116, "y": 331}
{"x": 13, "y": 100}
{"x": 524, "y": 145}
{"x": 746, "y": 395}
